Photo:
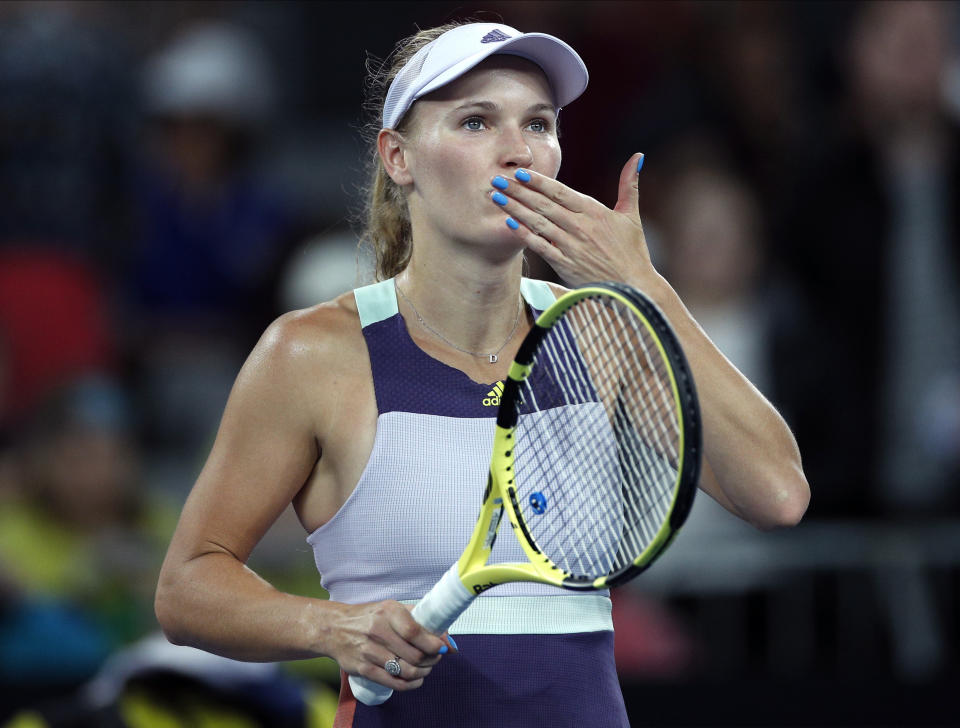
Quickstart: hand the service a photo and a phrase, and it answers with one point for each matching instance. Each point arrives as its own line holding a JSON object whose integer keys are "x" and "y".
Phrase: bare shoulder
{"x": 557, "y": 289}
{"x": 300, "y": 359}
{"x": 326, "y": 335}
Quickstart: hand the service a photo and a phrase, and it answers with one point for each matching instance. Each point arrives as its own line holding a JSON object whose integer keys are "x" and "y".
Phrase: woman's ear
{"x": 390, "y": 146}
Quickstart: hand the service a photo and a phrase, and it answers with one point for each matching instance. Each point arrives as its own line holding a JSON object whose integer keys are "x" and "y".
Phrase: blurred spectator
{"x": 212, "y": 229}
{"x": 876, "y": 238}
{"x": 80, "y": 541}
{"x": 212, "y": 235}
{"x": 713, "y": 255}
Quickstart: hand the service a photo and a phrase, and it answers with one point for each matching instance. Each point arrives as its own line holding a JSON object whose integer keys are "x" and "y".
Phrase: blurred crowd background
{"x": 174, "y": 175}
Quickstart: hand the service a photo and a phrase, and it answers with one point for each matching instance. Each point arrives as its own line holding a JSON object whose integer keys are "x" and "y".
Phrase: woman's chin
{"x": 506, "y": 241}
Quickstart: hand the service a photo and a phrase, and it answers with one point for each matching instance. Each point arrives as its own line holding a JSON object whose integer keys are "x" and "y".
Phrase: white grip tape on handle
{"x": 441, "y": 606}
{"x": 438, "y": 609}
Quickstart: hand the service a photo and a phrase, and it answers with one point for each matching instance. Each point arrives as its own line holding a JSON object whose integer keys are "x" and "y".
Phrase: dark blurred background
{"x": 175, "y": 175}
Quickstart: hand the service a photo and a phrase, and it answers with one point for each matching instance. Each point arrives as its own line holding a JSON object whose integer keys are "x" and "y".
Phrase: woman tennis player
{"x": 372, "y": 413}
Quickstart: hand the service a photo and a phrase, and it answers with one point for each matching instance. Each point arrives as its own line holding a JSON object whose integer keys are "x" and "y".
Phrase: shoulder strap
{"x": 537, "y": 293}
{"x": 376, "y": 302}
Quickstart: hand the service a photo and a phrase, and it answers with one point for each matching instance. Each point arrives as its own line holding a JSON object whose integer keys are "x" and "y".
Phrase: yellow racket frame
{"x": 500, "y": 496}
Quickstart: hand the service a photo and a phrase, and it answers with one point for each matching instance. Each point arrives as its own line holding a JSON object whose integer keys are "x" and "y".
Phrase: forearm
{"x": 752, "y": 463}
{"x": 217, "y": 604}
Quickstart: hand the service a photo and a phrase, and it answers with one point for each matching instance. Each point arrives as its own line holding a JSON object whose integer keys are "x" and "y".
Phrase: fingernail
{"x": 640, "y": 163}
{"x": 499, "y": 198}
{"x": 444, "y": 650}
{"x": 500, "y": 183}
{"x": 451, "y": 640}
{"x": 512, "y": 224}
{"x": 522, "y": 175}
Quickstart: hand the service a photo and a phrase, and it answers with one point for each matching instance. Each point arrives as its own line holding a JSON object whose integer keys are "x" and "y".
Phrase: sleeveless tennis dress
{"x": 530, "y": 654}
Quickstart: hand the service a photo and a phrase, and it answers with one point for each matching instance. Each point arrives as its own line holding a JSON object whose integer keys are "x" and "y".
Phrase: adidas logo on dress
{"x": 493, "y": 396}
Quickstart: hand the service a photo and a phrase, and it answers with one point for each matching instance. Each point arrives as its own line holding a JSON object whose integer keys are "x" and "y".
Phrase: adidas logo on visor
{"x": 494, "y": 36}
{"x": 493, "y": 396}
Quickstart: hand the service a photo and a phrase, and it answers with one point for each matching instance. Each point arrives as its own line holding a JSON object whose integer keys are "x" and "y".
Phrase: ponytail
{"x": 385, "y": 217}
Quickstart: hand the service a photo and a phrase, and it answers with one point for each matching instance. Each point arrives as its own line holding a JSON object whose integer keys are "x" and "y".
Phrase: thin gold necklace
{"x": 492, "y": 357}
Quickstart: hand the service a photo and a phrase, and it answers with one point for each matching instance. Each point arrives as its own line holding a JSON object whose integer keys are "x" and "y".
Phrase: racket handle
{"x": 369, "y": 692}
{"x": 446, "y": 601}
{"x": 438, "y": 609}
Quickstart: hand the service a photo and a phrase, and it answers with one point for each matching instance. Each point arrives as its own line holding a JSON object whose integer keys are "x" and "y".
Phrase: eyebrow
{"x": 490, "y": 106}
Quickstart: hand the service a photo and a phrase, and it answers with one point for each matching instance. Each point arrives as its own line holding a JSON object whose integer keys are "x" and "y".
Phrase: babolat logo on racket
{"x": 479, "y": 588}
{"x": 493, "y": 396}
{"x": 538, "y": 502}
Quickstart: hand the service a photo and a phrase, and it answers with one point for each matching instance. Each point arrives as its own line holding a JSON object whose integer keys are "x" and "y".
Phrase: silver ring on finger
{"x": 392, "y": 666}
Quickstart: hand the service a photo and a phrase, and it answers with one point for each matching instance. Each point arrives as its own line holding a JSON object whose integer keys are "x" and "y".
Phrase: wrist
{"x": 656, "y": 288}
{"x": 319, "y": 624}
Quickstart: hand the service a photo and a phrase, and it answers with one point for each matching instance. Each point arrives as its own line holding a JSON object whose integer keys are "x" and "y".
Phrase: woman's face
{"x": 495, "y": 119}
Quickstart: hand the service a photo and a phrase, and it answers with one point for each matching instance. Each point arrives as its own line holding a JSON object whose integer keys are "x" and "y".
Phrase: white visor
{"x": 458, "y": 50}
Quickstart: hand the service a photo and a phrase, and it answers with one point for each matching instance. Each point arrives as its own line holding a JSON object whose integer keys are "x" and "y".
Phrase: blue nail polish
{"x": 452, "y": 642}
{"x": 640, "y": 162}
{"x": 444, "y": 650}
{"x": 500, "y": 198}
{"x": 500, "y": 183}
{"x": 522, "y": 175}
{"x": 512, "y": 224}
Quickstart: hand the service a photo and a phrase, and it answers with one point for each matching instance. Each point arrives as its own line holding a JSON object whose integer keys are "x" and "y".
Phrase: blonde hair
{"x": 385, "y": 218}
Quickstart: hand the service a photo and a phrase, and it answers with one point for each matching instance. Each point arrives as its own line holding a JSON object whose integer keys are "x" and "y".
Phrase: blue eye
{"x": 474, "y": 123}
{"x": 538, "y": 125}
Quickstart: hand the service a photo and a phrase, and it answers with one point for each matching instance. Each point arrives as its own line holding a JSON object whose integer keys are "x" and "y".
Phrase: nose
{"x": 516, "y": 151}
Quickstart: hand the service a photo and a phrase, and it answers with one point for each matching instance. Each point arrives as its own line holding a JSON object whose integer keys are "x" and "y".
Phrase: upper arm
{"x": 267, "y": 445}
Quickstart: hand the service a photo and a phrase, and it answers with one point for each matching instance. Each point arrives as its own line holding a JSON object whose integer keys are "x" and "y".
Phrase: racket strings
{"x": 556, "y": 443}
{"x": 655, "y": 389}
{"x": 597, "y": 441}
{"x": 662, "y": 436}
{"x": 591, "y": 552}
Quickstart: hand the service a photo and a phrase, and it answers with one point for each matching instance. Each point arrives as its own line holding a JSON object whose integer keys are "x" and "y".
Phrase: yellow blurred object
{"x": 139, "y": 709}
{"x": 27, "y": 719}
{"x": 322, "y": 702}
{"x": 43, "y": 557}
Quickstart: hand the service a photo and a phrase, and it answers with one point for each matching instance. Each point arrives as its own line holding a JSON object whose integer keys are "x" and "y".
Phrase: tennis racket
{"x": 596, "y": 456}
